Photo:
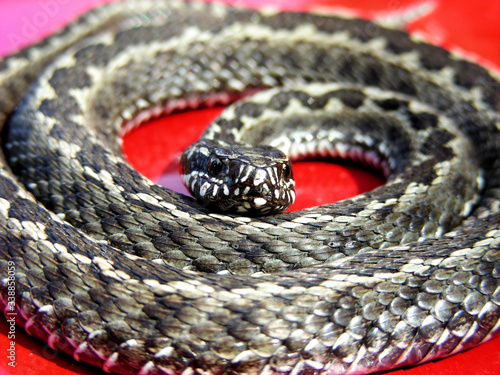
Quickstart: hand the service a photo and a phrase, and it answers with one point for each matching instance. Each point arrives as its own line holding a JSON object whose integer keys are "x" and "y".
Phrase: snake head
{"x": 238, "y": 178}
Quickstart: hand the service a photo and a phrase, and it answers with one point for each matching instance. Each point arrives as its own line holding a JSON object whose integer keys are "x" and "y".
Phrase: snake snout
{"x": 268, "y": 190}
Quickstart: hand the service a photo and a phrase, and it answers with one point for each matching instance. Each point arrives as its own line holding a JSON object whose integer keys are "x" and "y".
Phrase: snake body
{"x": 132, "y": 277}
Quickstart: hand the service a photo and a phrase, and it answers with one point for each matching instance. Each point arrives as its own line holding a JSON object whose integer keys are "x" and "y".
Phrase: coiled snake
{"x": 406, "y": 273}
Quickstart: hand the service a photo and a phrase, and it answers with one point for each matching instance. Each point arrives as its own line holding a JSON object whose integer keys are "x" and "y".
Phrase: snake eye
{"x": 287, "y": 171}
{"x": 214, "y": 166}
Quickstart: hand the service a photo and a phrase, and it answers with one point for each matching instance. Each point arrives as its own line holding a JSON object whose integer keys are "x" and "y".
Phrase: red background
{"x": 470, "y": 28}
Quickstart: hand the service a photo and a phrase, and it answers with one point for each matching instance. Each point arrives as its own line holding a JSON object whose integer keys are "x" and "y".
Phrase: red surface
{"x": 469, "y": 27}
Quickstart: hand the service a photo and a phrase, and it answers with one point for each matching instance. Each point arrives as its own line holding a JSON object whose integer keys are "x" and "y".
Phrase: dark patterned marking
{"x": 469, "y": 74}
{"x": 249, "y": 109}
{"x": 436, "y": 144}
{"x": 399, "y": 42}
{"x": 373, "y": 74}
{"x": 406, "y": 86}
{"x": 433, "y": 57}
{"x": 392, "y": 104}
{"x": 60, "y": 109}
{"x": 64, "y": 78}
{"x": 423, "y": 120}
{"x": 351, "y": 98}
{"x": 97, "y": 53}
{"x": 281, "y": 100}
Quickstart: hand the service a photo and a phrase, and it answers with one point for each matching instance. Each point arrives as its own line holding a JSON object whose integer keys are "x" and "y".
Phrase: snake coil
{"x": 134, "y": 278}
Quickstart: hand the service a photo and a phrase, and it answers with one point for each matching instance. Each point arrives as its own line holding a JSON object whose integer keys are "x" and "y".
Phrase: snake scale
{"x": 134, "y": 278}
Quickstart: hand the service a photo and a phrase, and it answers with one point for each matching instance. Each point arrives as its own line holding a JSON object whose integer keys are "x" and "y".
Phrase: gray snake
{"x": 403, "y": 274}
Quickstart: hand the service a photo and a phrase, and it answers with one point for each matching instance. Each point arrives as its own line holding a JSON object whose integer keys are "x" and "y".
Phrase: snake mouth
{"x": 265, "y": 202}
{"x": 256, "y": 201}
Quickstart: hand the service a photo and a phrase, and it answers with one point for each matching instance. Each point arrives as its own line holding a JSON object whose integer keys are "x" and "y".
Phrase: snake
{"x": 109, "y": 267}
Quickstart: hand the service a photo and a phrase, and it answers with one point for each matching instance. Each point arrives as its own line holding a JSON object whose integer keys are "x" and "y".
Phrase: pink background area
{"x": 469, "y": 27}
